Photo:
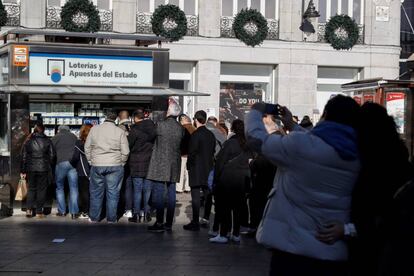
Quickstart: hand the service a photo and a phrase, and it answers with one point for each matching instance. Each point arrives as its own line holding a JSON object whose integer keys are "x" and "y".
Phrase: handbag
{"x": 236, "y": 172}
{"x": 21, "y": 193}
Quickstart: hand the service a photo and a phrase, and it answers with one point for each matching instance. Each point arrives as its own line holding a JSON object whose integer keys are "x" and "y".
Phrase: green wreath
{"x": 169, "y": 21}
{"x": 3, "y": 15}
{"x": 341, "y": 32}
{"x": 250, "y": 26}
{"x": 74, "y": 7}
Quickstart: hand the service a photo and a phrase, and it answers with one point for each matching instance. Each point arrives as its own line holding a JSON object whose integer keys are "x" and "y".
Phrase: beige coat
{"x": 107, "y": 145}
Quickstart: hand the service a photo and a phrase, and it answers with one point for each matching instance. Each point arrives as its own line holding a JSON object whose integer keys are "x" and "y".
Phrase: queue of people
{"x": 328, "y": 199}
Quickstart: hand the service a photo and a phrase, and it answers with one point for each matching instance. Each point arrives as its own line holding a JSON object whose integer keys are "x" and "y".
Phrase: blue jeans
{"x": 103, "y": 179}
{"x": 141, "y": 185}
{"x": 65, "y": 170}
{"x": 159, "y": 201}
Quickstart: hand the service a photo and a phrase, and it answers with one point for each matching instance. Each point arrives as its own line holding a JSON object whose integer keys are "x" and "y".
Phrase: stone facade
{"x": 294, "y": 56}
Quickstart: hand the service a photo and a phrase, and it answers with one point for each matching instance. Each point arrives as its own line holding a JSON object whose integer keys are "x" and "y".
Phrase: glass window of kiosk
{"x": 4, "y": 125}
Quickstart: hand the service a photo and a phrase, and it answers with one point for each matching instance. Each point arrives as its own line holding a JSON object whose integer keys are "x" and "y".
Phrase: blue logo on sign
{"x": 56, "y": 75}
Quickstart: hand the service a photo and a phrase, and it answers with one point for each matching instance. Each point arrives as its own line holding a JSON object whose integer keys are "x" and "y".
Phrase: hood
{"x": 341, "y": 137}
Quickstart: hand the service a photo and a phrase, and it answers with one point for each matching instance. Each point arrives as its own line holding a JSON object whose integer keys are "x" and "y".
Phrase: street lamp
{"x": 310, "y": 12}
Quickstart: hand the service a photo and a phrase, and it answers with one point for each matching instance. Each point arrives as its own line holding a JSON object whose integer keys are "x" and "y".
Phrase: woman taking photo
{"x": 81, "y": 164}
{"x": 37, "y": 159}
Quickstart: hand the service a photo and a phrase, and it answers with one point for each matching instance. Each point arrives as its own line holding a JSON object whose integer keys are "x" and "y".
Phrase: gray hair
{"x": 63, "y": 127}
{"x": 174, "y": 109}
{"x": 111, "y": 115}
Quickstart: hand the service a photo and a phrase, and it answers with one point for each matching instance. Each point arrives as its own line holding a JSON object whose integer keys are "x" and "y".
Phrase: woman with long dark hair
{"x": 231, "y": 182}
{"x": 37, "y": 159}
{"x": 81, "y": 164}
{"x": 380, "y": 246}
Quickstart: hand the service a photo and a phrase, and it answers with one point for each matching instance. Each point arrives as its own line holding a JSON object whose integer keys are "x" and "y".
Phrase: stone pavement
{"x": 26, "y": 248}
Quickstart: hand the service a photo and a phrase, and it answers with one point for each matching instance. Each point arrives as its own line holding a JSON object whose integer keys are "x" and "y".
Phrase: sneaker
{"x": 134, "y": 219}
{"x": 148, "y": 217}
{"x": 83, "y": 216}
{"x": 168, "y": 228}
{"x": 192, "y": 226}
{"x": 59, "y": 214}
{"x": 235, "y": 239}
{"x": 219, "y": 239}
{"x": 212, "y": 233}
{"x": 204, "y": 223}
{"x": 92, "y": 221}
{"x": 29, "y": 213}
{"x": 128, "y": 214}
{"x": 244, "y": 230}
{"x": 156, "y": 228}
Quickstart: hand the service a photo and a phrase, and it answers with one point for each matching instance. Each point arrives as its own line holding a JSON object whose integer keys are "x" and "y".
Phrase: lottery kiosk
{"x": 63, "y": 82}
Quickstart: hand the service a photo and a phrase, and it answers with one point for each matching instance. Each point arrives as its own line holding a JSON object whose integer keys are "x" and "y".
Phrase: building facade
{"x": 291, "y": 67}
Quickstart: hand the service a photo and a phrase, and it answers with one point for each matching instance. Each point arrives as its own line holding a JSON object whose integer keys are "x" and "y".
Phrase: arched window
{"x": 353, "y": 8}
{"x": 190, "y": 7}
{"x": 269, "y": 8}
{"x": 101, "y": 4}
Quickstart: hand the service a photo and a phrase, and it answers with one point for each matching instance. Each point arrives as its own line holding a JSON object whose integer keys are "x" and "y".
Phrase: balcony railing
{"x": 13, "y": 14}
{"x": 226, "y": 27}
{"x": 321, "y": 33}
{"x": 53, "y": 19}
{"x": 144, "y": 24}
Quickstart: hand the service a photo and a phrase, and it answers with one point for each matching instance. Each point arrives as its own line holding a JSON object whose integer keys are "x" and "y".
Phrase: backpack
{"x": 236, "y": 172}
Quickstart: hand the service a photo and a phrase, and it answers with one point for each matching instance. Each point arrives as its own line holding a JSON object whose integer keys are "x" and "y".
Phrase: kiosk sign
{"x": 20, "y": 55}
{"x": 90, "y": 70}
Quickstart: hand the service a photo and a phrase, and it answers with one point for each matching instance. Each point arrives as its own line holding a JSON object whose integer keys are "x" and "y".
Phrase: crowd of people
{"x": 329, "y": 199}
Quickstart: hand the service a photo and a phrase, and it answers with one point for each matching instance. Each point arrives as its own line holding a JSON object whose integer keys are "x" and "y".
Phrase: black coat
{"x": 79, "y": 160}
{"x": 240, "y": 174}
{"x": 38, "y": 154}
{"x": 200, "y": 156}
{"x": 141, "y": 141}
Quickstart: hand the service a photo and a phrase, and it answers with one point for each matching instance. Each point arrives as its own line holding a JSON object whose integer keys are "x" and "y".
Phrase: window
{"x": 188, "y": 6}
{"x": 56, "y": 3}
{"x": 269, "y": 8}
{"x": 353, "y": 8}
{"x": 101, "y": 4}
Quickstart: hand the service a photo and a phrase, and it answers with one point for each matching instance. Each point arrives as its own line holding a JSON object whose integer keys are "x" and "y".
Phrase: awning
{"x": 98, "y": 90}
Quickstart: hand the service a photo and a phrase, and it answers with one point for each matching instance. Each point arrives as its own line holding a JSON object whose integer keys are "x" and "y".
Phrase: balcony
{"x": 13, "y": 14}
{"x": 144, "y": 24}
{"x": 226, "y": 28}
{"x": 53, "y": 19}
{"x": 321, "y": 33}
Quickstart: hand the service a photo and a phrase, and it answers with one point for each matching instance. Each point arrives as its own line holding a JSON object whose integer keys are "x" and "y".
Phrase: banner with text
{"x": 90, "y": 70}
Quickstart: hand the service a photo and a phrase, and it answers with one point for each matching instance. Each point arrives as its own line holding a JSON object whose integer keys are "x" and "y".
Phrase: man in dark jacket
{"x": 165, "y": 166}
{"x": 64, "y": 143}
{"x": 141, "y": 141}
{"x": 37, "y": 159}
{"x": 199, "y": 164}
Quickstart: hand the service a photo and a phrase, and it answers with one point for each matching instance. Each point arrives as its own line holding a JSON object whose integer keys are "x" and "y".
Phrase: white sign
{"x": 382, "y": 13}
{"x": 90, "y": 70}
{"x": 396, "y": 108}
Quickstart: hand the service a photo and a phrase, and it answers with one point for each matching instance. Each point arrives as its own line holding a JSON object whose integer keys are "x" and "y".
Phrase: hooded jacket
{"x": 312, "y": 187}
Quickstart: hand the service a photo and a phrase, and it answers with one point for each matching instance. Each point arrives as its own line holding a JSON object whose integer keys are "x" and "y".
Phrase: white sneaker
{"x": 128, "y": 214}
{"x": 235, "y": 239}
{"x": 244, "y": 230}
{"x": 84, "y": 216}
{"x": 212, "y": 233}
{"x": 219, "y": 239}
{"x": 203, "y": 221}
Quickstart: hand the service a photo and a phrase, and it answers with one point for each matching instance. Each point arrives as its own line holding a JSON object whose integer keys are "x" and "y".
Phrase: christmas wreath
{"x": 169, "y": 21}
{"x": 78, "y": 9}
{"x": 250, "y": 27}
{"x": 3, "y": 15}
{"x": 341, "y": 32}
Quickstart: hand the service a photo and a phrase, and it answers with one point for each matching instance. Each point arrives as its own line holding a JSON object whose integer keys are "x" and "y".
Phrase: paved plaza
{"x": 27, "y": 248}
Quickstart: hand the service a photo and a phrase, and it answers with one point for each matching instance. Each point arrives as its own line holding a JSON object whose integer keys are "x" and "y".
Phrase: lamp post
{"x": 310, "y": 13}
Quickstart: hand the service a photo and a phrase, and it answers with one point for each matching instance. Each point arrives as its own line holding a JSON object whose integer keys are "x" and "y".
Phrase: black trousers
{"x": 36, "y": 194}
{"x": 83, "y": 186}
{"x": 229, "y": 204}
{"x": 287, "y": 264}
{"x": 196, "y": 201}
{"x": 208, "y": 205}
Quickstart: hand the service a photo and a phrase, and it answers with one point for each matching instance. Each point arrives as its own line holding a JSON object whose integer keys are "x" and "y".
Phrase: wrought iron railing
{"x": 13, "y": 14}
{"x": 144, "y": 24}
{"x": 53, "y": 19}
{"x": 226, "y": 27}
{"x": 321, "y": 33}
